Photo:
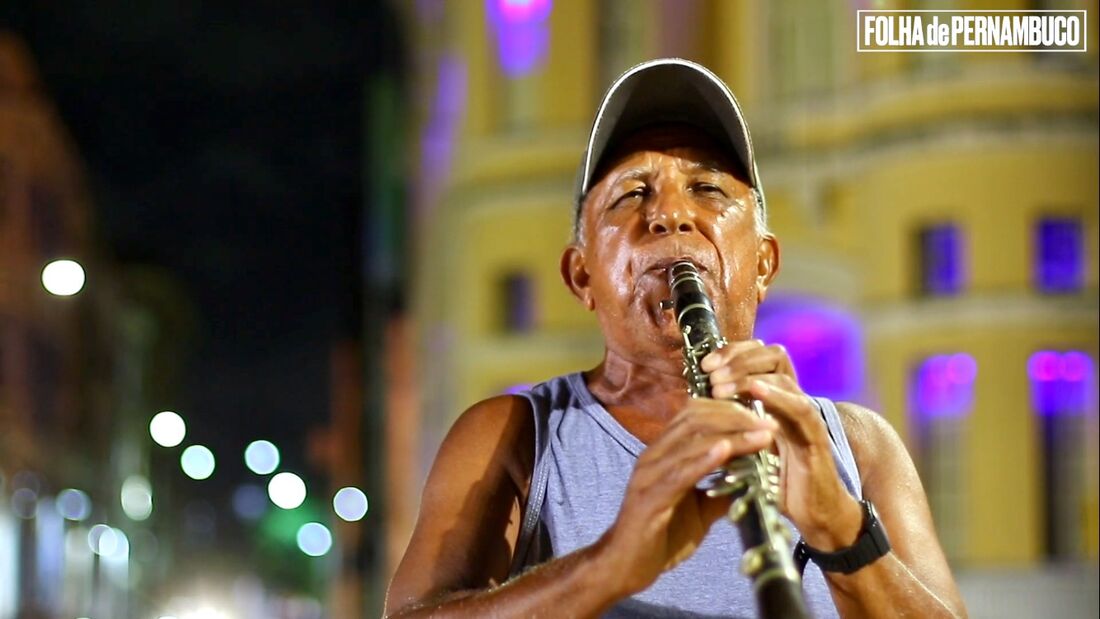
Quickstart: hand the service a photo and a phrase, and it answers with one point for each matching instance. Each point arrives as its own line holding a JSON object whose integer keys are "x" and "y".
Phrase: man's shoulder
{"x": 862, "y": 421}
{"x": 501, "y": 428}
{"x": 494, "y": 418}
{"x": 875, "y": 443}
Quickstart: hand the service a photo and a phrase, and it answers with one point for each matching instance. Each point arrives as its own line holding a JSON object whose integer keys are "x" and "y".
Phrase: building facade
{"x": 937, "y": 215}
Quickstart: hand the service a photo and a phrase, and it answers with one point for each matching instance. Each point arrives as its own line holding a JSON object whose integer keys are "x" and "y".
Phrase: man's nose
{"x": 671, "y": 215}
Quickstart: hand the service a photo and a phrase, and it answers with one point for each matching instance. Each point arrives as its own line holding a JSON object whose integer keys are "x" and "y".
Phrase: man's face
{"x": 668, "y": 193}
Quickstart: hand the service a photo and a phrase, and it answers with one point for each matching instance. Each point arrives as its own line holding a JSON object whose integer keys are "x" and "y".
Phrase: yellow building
{"x": 917, "y": 194}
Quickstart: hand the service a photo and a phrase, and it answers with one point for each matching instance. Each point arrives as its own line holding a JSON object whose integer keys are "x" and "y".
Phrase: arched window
{"x": 941, "y": 396}
{"x": 1061, "y": 398}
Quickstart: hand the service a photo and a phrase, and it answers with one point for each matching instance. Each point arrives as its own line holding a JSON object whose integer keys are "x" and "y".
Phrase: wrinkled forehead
{"x": 687, "y": 140}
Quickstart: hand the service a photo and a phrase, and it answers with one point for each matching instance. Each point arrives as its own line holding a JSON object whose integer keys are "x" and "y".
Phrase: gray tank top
{"x": 583, "y": 461}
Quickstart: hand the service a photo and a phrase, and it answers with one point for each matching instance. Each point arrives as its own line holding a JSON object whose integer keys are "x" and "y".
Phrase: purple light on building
{"x": 522, "y": 33}
{"x": 943, "y": 386}
{"x": 1075, "y": 366}
{"x": 1059, "y": 257}
{"x": 448, "y": 103}
{"x": 1061, "y": 382}
{"x": 941, "y": 259}
{"x": 823, "y": 341}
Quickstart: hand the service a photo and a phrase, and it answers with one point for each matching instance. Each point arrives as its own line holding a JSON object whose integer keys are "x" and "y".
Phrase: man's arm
{"x": 913, "y": 580}
{"x": 462, "y": 546}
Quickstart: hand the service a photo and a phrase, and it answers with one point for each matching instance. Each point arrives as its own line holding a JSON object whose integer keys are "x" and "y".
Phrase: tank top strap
{"x": 842, "y": 450}
{"x": 532, "y": 543}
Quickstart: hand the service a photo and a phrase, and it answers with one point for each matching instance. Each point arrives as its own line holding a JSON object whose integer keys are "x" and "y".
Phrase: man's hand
{"x": 663, "y": 517}
{"x": 813, "y": 496}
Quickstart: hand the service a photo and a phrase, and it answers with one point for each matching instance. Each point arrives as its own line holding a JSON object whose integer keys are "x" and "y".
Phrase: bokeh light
{"x": 74, "y": 504}
{"x": 26, "y": 479}
{"x": 1061, "y": 382}
{"x": 104, "y": 540}
{"x": 167, "y": 429}
{"x": 197, "y": 462}
{"x": 1075, "y": 366}
{"x": 314, "y": 539}
{"x": 24, "y": 502}
{"x": 261, "y": 457}
{"x": 943, "y": 386}
{"x": 137, "y": 497}
{"x": 249, "y": 502}
{"x": 122, "y": 544}
{"x": 350, "y": 504}
{"x": 63, "y": 278}
{"x": 286, "y": 490}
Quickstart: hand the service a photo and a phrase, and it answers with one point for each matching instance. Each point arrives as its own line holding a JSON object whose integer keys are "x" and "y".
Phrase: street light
{"x": 137, "y": 497}
{"x": 287, "y": 490}
{"x": 73, "y": 504}
{"x": 167, "y": 429}
{"x": 261, "y": 457}
{"x": 197, "y": 462}
{"x": 314, "y": 539}
{"x": 63, "y": 278}
{"x": 350, "y": 504}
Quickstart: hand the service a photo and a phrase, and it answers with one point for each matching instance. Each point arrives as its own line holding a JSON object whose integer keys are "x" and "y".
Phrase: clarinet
{"x": 752, "y": 479}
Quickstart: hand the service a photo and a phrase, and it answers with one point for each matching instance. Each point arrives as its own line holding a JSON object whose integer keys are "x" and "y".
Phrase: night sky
{"x": 224, "y": 142}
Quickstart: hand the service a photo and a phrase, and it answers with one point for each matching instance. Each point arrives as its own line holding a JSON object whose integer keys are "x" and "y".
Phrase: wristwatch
{"x": 871, "y": 544}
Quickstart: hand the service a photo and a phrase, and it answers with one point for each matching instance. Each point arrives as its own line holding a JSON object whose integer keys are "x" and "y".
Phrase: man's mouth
{"x": 664, "y": 264}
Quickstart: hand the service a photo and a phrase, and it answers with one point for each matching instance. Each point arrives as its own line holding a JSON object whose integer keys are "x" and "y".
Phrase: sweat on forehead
{"x": 662, "y": 136}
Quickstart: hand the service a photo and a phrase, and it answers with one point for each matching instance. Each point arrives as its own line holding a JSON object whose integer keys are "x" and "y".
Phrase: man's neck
{"x": 657, "y": 391}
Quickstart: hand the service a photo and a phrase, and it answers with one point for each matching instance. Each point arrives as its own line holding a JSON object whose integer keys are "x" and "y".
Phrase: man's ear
{"x": 574, "y": 272}
{"x": 767, "y": 265}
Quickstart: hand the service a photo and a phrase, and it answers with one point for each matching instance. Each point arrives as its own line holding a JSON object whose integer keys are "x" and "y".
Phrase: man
{"x": 592, "y": 478}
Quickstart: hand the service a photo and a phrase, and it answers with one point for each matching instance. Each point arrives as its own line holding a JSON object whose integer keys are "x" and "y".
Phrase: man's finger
{"x": 771, "y": 359}
{"x": 795, "y": 412}
{"x": 711, "y": 419}
{"x": 723, "y": 356}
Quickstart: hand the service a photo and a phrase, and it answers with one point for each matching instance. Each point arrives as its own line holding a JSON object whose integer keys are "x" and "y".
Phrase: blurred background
{"x": 256, "y": 258}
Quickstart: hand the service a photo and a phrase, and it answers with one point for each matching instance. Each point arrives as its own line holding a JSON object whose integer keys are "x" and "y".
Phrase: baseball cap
{"x": 666, "y": 90}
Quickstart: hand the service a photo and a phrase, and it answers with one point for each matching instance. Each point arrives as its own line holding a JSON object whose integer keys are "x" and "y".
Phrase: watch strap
{"x": 871, "y": 544}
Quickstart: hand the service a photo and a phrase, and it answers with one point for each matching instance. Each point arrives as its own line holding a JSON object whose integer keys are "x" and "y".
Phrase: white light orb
{"x": 167, "y": 429}
{"x": 103, "y": 540}
{"x": 137, "y": 497}
{"x": 350, "y": 504}
{"x": 314, "y": 539}
{"x": 286, "y": 490}
{"x": 122, "y": 544}
{"x": 261, "y": 457}
{"x": 63, "y": 278}
{"x": 73, "y": 504}
{"x": 197, "y": 462}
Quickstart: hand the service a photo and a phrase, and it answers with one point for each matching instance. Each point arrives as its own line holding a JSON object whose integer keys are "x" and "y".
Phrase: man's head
{"x": 668, "y": 174}
{"x": 667, "y": 91}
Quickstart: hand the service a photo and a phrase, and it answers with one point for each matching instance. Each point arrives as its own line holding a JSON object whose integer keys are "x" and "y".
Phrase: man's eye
{"x": 708, "y": 189}
{"x": 634, "y": 194}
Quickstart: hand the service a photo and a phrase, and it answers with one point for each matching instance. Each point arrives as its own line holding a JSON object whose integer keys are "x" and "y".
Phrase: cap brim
{"x": 669, "y": 90}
